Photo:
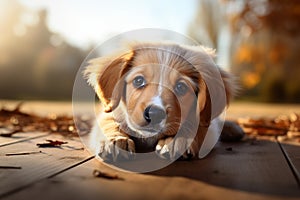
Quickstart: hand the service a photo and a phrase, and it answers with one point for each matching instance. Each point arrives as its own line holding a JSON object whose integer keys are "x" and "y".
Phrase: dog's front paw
{"x": 173, "y": 148}
{"x": 117, "y": 148}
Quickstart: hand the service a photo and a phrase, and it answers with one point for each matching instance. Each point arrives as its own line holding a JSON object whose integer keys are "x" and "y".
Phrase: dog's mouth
{"x": 151, "y": 130}
{"x": 148, "y": 133}
{"x": 148, "y": 130}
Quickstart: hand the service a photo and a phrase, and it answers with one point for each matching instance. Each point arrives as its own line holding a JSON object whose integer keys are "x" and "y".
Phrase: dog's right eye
{"x": 139, "y": 82}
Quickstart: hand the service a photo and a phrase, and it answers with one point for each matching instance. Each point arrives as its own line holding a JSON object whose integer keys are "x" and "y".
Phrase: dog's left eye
{"x": 181, "y": 88}
{"x": 139, "y": 82}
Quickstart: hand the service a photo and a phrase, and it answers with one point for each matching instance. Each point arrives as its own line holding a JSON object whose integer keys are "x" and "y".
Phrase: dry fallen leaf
{"x": 100, "y": 174}
{"x": 51, "y": 143}
{"x": 10, "y": 167}
{"x": 23, "y": 153}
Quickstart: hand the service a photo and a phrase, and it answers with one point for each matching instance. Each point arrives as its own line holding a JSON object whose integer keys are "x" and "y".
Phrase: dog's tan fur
{"x": 122, "y": 120}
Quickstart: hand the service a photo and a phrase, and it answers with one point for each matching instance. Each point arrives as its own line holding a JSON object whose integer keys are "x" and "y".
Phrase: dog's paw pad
{"x": 117, "y": 148}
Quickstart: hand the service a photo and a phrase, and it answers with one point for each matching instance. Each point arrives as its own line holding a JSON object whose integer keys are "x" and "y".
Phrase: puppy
{"x": 159, "y": 97}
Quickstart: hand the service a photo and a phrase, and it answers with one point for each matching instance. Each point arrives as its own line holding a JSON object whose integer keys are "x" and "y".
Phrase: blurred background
{"x": 43, "y": 43}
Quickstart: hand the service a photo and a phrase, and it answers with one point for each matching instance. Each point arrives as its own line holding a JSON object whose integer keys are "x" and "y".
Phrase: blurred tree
{"x": 208, "y": 23}
{"x": 35, "y": 63}
{"x": 11, "y": 29}
{"x": 265, "y": 48}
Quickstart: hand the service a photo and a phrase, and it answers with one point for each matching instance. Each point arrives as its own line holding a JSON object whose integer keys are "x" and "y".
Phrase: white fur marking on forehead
{"x": 160, "y": 83}
{"x": 164, "y": 55}
{"x": 157, "y": 101}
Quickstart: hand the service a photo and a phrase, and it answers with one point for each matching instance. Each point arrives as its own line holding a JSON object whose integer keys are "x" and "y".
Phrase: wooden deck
{"x": 267, "y": 168}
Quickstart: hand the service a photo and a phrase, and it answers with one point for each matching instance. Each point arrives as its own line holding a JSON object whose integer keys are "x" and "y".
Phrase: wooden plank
{"x": 251, "y": 170}
{"x": 37, "y": 166}
{"x": 291, "y": 149}
{"x": 79, "y": 183}
{"x": 20, "y": 137}
{"x": 257, "y": 166}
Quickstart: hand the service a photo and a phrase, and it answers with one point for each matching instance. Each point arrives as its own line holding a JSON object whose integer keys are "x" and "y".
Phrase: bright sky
{"x": 94, "y": 21}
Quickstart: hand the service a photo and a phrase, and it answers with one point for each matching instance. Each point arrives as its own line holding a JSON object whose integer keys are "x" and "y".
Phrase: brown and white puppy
{"x": 154, "y": 91}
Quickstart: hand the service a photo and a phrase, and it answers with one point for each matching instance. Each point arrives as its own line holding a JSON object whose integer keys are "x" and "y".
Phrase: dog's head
{"x": 155, "y": 87}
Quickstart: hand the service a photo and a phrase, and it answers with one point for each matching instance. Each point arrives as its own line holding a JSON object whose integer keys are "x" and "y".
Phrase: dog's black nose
{"x": 154, "y": 114}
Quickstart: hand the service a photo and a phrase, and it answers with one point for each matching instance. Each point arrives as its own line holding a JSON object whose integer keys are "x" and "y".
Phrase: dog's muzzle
{"x": 154, "y": 115}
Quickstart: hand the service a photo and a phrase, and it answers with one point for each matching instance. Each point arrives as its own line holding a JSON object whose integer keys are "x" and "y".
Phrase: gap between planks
{"x": 49, "y": 177}
{"x": 23, "y": 139}
{"x": 290, "y": 162}
{"x": 22, "y": 143}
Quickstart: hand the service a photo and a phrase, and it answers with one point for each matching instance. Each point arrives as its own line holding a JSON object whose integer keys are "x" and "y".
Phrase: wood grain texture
{"x": 248, "y": 170}
{"x": 37, "y": 166}
{"x": 79, "y": 183}
{"x": 252, "y": 166}
{"x": 291, "y": 149}
{"x": 19, "y": 137}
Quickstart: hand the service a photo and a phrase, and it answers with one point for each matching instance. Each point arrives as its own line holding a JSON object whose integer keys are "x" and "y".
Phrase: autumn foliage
{"x": 266, "y": 53}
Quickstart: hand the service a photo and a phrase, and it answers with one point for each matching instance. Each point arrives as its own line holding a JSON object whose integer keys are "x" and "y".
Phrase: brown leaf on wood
{"x": 23, "y": 153}
{"x": 10, "y": 167}
{"x": 51, "y": 143}
{"x": 105, "y": 175}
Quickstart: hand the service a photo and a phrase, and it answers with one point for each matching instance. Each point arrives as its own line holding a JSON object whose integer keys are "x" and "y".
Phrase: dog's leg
{"x": 171, "y": 148}
{"x": 116, "y": 147}
{"x": 200, "y": 146}
{"x": 184, "y": 147}
{"x": 114, "y": 144}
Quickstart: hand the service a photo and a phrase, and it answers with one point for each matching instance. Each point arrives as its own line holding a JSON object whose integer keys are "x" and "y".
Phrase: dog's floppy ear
{"x": 219, "y": 85}
{"x": 216, "y": 96}
{"x": 105, "y": 75}
{"x": 230, "y": 85}
{"x": 203, "y": 104}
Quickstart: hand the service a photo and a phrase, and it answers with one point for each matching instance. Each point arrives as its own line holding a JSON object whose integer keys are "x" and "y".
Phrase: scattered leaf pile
{"x": 15, "y": 121}
{"x": 281, "y": 125}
